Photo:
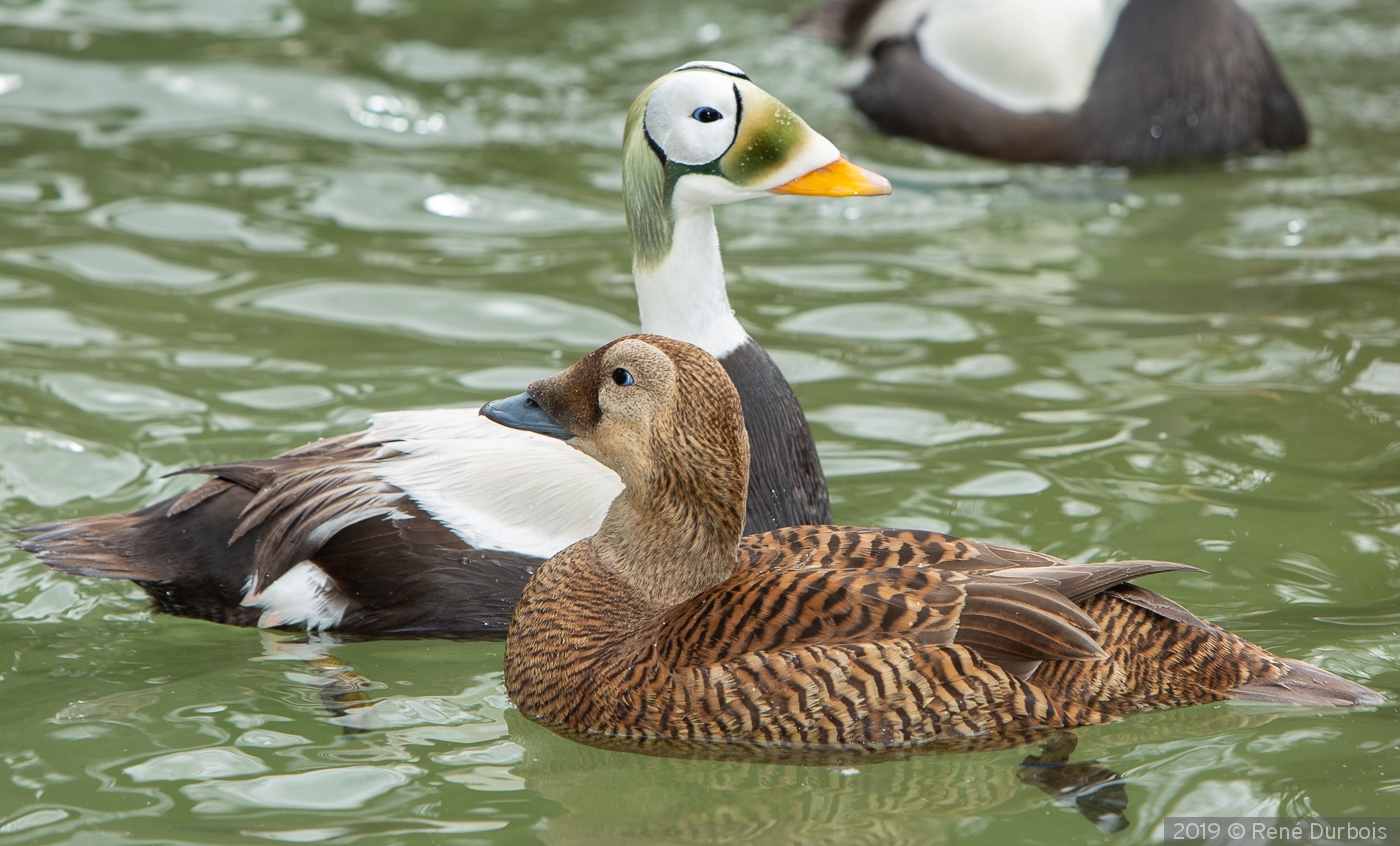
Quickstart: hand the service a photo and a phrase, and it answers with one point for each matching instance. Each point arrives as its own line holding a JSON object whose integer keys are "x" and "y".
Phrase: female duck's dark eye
{"x": 622, "y": 377}
{"x": 705, "y": 114}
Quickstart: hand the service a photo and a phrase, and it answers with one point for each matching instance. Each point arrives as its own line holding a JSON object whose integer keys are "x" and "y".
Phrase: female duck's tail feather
{"x": 1162, "y": 656}
{"x": 1304, "y": 684}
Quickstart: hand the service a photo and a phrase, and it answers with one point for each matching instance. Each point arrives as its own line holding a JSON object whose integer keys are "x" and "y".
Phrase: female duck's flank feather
{"x": 667, "y": 625}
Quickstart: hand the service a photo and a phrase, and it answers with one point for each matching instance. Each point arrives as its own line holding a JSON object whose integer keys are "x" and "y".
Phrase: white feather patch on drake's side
{"x": 303, "y": 596}
{"x": 494, "y": 487}
{"x": 1023, "y": 55}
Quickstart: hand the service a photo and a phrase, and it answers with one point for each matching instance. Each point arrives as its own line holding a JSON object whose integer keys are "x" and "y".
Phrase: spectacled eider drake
{"x": 430, "y": 522}
{"x": 669, "y": 624}
{"x": 1112, "y": 81}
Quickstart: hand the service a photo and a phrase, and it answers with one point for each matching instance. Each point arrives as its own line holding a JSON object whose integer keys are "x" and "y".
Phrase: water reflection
{"x": 446, "y": 313}
{"x": 923, "y": 798}
{"x": 266, "y": 18}
{"x": 231, "y": 227}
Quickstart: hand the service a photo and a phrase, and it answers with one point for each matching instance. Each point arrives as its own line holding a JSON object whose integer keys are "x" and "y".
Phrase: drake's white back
{"x": 494, "y": 487}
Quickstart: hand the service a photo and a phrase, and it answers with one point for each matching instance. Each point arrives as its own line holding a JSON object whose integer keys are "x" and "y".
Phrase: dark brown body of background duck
{"x": 663, "y": 626}
{"x": 1118, "y": 81}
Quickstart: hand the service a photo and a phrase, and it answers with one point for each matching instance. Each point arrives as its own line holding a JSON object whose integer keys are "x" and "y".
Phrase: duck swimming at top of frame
{"x": 668, "y": 624}
{"x": 430, "y": 522}
{"x": 1112, "y": 81}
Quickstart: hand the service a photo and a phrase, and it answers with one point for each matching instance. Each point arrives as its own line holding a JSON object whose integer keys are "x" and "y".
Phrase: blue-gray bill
{"x": 522, "y": 412}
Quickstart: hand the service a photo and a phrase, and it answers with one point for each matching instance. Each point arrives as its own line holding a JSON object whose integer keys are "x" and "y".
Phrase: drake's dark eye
{"x": 705, "y": 114}
{"x": 622, "y": 377}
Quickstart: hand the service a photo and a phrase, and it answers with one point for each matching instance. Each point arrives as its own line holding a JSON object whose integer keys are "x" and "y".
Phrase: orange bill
{"x": 838, "y": 179}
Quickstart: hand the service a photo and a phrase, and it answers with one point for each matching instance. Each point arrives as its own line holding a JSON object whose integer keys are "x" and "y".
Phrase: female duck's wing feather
{"x": 814, "y": 585}
{"x": 869, "y": 654}
{"x": 757, "y": 612}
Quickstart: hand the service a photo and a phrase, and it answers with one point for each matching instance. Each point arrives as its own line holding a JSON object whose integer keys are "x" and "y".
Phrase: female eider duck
{"x": 668, "y": 624}
{"x": 1112, "y": 81}
{"x": 430, "y": 522}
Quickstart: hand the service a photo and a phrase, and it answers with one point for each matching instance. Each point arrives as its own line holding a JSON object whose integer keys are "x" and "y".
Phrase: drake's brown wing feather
{"x": 304, "y": 497}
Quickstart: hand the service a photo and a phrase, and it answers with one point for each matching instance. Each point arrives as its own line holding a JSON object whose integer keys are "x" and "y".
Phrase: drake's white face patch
{"x": 693, "y": 117}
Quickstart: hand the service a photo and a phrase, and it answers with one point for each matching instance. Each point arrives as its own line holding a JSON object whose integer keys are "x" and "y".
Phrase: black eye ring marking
{"x": 622, "y": 378}
{"x": 706, "y": 114}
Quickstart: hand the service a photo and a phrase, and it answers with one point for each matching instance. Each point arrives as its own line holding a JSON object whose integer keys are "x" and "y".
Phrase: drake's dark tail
{"x": 177, "y": 550}
{"x": 382, "y": 566}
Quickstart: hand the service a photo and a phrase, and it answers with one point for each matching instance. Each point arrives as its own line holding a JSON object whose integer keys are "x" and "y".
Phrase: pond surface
{"x": 228, "y": 228}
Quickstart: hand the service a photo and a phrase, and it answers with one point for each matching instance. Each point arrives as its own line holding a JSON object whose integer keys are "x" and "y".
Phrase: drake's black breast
{"x": 786, "y": 486}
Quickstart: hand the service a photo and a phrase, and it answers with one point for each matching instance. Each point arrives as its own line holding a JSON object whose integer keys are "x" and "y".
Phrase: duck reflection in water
{"x": 852, "y": 790}
{"x": 726, "y": 794}
{"x": 908, "y": 799}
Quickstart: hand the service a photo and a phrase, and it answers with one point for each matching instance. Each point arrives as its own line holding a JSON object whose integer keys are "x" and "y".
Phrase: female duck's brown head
{"x": 664, "y": 415}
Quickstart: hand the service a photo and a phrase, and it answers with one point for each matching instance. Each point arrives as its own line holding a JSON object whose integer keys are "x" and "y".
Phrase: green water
{"x": 227, "y": 228}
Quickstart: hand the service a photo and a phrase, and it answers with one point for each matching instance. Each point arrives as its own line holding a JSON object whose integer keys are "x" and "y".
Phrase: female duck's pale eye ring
{"x": 706, "y": 114}
{"x": 622, "y": 378}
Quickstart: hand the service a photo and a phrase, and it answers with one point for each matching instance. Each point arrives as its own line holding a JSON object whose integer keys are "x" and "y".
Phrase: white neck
{"x": 684, "y": 297}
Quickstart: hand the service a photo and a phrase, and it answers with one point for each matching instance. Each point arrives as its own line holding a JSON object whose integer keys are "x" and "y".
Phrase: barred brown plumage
{"x": 667, "y": 625}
